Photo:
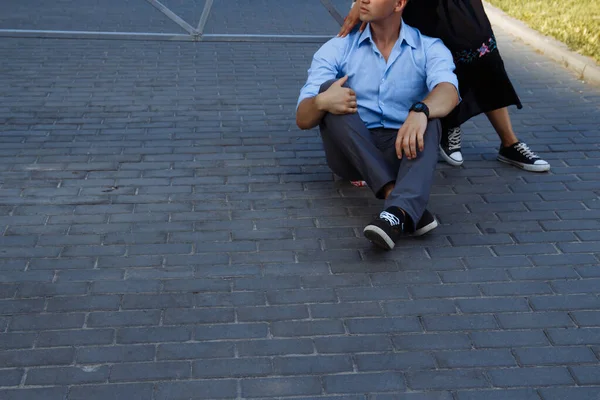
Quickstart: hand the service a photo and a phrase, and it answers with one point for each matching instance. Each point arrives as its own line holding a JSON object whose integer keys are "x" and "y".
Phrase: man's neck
{"x": 385, "y": 33}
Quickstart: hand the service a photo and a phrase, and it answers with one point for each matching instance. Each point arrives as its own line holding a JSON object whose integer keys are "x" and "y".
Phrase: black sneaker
{"x": 450, "y": 145}
{"x": 521, "y": 156}
{"x": 426, "y": 223}
{"x": 386, "y": 229}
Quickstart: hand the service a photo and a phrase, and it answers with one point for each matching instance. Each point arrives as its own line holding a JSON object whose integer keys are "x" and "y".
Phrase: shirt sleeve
{"x": 440, "y": 66}
{"x": 325, "y": 65}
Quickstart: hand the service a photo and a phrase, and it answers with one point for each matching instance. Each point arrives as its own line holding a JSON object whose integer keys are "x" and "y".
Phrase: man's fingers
{"x": 421, "y": 141}
{"x": 406, "y": 146}
{"x": 345, "y": 28}
{"x": 413, "y": 146}
{"x": 399, "y": 146}
{"x": 341, "y": 81}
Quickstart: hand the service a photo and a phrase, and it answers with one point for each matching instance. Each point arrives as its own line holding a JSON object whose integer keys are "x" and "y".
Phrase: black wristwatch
{"x": 420, "y": 107}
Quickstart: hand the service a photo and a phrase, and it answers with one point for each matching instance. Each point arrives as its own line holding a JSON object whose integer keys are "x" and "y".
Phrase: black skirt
{"x": 465, "y": 29}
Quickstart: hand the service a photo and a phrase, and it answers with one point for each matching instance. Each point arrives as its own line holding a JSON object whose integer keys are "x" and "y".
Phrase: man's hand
{"x": 351, "y": 20}
{"x": 337, "y": 99}
{"x": 410, "y": 135}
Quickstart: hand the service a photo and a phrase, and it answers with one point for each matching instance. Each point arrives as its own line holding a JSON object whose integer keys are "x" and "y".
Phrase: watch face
{"x": 418, "y": 107}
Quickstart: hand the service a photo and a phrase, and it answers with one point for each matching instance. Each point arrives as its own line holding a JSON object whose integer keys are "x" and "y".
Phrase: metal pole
{"x": 204, "y": 16}
{"x": 22, "y": 33}
{"x": 333, "y": 12}
{"x": 43, "y": 34}
{"x": 264, "y": 38}
{"x": 173, "y": 17}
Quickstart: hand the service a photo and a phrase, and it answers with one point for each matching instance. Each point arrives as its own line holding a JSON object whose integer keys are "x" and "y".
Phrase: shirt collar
{"x": 406, "y": 35}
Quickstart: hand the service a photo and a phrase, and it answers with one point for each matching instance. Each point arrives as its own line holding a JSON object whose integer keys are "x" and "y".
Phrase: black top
{"x": 461, "y": 24}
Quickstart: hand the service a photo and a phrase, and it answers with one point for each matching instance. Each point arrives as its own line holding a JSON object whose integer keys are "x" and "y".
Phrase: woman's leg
{"x": 501, "y": 122}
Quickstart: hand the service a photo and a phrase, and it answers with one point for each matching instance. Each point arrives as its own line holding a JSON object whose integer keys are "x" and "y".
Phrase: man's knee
{"x": 327, "y": 84}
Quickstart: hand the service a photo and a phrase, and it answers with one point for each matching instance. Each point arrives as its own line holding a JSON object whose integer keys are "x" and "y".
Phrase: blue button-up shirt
{"x": 385, "y": 91}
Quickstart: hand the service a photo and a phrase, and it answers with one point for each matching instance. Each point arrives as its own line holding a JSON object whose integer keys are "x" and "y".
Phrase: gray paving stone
{"x": 66, "y": 375}
{"x": 274, "y": 347}
{"x": 137, "y": 391}
{"x": 36, "y": 357}
{"x": 509, "y": 339}
{"x": 457, "y": 379}
{"x": 555, "y": 356}
{"x": 499, "y": 394}
{"x": 291, "y": 386}
{"x": 543, "y": 376}
{"x": 163, "y": 371}
{"x": 114, "y": 354}
{"x": 548, "y": 319}
{"x": 475, "y": 359}
{"x": 306, "y": 328}
{"x": 567, "y": 337}
{"x": 312, "y": 365}
{"x": 50, "y": 393}
{"x": 75, "y": 337}
{"x": 432, "y": 341}
{"x": 370, "y": 382}
{"x": 395, "y": 361}
{"x": 11, "y": 377}
{"x": 570, "y": 393}
{"x": 352, "y": 344}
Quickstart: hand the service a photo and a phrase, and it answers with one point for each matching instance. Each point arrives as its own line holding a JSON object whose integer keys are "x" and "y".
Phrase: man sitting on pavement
{"x": 377, "y": 96}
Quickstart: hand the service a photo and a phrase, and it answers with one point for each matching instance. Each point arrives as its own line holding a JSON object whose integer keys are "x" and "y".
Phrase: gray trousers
{"x": 356, "y": 153}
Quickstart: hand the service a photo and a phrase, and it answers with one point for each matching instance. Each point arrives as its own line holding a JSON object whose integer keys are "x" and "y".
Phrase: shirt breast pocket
{"x": 407, "y": 91}
{"x": 413, "y": 84}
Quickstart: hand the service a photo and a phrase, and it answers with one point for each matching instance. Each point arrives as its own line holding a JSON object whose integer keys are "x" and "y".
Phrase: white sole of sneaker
{"x": 526, "y": 167}
{"x": 449, "y": 160}
{"x": 427, "y": 228}
{"x": 378, "y": 237}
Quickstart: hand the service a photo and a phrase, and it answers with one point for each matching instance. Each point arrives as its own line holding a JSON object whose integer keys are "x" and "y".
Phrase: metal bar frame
{"x": 173, "y": 17}
{"x": 333, "y": 12}
{"x": 194, "y": 34}
{"x": 41, "y": 34}
{"x": 204, "y": 16}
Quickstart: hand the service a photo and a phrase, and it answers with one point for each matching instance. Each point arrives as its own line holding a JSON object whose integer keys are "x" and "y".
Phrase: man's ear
{"x": 400, "y": 5}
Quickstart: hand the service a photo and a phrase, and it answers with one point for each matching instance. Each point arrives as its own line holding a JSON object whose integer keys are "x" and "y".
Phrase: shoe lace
{"x": 454, "y": 138}
{"x": 390, "y": 218}
{"x": 525, "y": 151}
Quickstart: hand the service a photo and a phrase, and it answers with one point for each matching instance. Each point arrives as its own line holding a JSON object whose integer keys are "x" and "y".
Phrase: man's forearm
{"x": 442, "y": 99}
{"x": 309, "y": 113}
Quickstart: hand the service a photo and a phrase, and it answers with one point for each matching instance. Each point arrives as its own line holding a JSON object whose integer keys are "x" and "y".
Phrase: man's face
{"x": 376, "y": 10}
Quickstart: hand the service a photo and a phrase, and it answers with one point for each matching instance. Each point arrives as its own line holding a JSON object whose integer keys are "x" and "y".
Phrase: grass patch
{"x": 574, "y": 22}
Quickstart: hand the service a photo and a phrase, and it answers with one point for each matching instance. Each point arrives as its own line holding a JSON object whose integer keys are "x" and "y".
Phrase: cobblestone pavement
{"x": 168, "y": 233}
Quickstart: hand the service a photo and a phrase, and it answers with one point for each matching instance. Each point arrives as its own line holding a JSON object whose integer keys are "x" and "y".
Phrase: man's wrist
{"x": 420, "y": 107}
{"x": 319, "y": 103}
{"x": 415, "y": 114}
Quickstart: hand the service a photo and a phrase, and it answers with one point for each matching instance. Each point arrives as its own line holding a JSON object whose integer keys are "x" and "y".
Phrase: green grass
{"x": 574, "y": 22}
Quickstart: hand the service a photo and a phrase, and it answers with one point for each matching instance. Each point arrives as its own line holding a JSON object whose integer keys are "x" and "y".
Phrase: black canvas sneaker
{"x": 521, "y": 156}
{"x": 450, "y": 146}
{"x": 386, "y": 229}
{"x": 426, "y": 223}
